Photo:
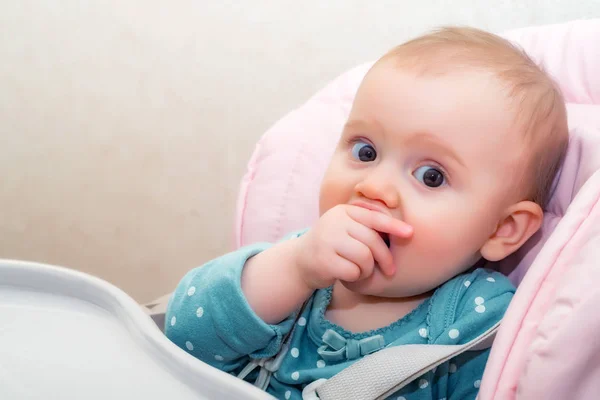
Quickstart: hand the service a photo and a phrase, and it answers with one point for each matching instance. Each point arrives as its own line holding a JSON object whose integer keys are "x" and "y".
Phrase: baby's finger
{"x": 359, "y": 254}
{"x": 344, "y": 270}
{"x": 380, "y": 251}
{"x": 380, "y": 221}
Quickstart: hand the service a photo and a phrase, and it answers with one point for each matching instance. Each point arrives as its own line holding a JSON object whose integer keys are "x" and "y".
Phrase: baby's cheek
{"x": 444, "y": 241}
{"x": 330, "y": 195}
{"x": 434, "y": 240}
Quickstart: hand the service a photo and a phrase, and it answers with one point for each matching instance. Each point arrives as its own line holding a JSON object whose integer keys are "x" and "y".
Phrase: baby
{"x": 446, "y": 161}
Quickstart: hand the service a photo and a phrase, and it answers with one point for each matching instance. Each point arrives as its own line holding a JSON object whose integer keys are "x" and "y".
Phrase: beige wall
{"x": 125, "y": 126}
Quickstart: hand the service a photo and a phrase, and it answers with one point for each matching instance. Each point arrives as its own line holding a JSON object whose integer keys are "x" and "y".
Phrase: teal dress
{"x": 209, "y": 317}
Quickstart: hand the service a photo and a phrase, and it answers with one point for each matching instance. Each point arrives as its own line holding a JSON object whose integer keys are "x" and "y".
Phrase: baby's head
{"x": 459, "y": 134}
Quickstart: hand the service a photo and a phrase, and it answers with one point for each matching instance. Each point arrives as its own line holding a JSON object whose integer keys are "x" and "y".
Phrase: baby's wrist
{"x": 300, "y": 266}
{"x": 310, "y": 277}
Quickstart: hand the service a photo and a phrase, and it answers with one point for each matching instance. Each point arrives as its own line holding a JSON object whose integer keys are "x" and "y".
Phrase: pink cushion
{"x": 279, "y": 194}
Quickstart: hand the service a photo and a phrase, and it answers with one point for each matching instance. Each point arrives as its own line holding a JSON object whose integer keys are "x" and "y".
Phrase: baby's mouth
{"x": 386, "y": 238}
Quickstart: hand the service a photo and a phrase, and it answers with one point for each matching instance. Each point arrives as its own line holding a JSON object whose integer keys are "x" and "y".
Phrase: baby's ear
{"x": 520, "y": 222}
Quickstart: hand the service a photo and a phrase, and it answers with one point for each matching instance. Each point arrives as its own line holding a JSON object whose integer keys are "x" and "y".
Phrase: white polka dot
{"x": 423, "y": 332}
{"x": 480, "y": 308}
{"x": 453, "y": 333}
{"x": 288, "y": 394}
{"x": 295, "y": 352}
{"x": 173, "y": 321}
{"x": 189, "y": 345}
{"x": 467, "y": 283}
{"x": 479, "y": 300}
{"x": 452, "y": 368}
{"x": 199, "y": 312}
{"x": 477, "y": 383}
{"x": 401, "y": 398}
{"x": 295, "y": 375}
{"x": 301, "y": 321}
{"x": 191, "y": 290}
{"x": 423, "y": 383}
{"x": 219, "y": 358}
{"x": 490, "y": 279}
{"x": 320, "y": 364}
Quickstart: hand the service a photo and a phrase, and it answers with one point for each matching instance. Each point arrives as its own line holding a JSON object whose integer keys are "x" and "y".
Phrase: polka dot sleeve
{"x": 477, "y": 301}
{"x": 209, "y": 317}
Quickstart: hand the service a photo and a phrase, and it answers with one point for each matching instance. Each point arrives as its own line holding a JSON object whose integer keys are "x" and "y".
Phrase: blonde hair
{"x": 538, "y": 102}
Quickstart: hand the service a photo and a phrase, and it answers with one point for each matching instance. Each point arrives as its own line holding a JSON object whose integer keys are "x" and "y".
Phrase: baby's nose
{"x": 379, "y": 189}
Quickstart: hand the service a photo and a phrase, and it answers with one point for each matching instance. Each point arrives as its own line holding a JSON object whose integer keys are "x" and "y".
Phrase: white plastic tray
{"x": 67, "y": 335}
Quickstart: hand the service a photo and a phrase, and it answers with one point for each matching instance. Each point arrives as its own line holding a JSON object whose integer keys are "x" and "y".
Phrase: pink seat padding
{"x": 547, "y": 346}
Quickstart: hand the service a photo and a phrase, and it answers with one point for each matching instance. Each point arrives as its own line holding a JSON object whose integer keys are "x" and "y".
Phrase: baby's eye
{"x": 430, "y": 176}
{"x": 364, "y": 152}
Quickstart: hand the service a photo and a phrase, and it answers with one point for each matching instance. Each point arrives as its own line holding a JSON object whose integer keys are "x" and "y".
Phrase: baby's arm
{"x": 209, "y": 317}
{"x": 272, "y": 282}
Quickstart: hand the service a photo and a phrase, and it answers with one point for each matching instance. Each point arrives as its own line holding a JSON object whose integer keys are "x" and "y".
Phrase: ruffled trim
{"x": 324, "y": 324}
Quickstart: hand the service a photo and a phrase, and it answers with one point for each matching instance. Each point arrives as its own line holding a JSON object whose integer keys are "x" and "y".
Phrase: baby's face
{"x": 437, "y": 152}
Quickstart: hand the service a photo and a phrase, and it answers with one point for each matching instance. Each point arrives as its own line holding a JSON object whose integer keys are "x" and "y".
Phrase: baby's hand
{"x": 345, "y": 244}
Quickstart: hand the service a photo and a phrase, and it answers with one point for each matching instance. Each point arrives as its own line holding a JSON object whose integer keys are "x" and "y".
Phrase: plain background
{"x": 125, "y": 126}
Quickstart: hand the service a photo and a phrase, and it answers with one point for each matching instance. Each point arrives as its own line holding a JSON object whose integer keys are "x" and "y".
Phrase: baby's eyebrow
{"x": 433, "y": 143}
{"x": 360, "y": 124}
{"x": 355, "y": 123}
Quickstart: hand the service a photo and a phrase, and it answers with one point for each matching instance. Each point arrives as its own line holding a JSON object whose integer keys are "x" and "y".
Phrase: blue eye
{"x": 364, "y": 152}
{"x": 430, "y": 176}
